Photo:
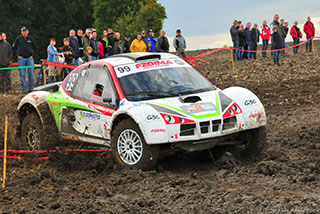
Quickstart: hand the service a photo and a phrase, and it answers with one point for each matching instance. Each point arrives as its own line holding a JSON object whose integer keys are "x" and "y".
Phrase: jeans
{"x": 22, "y": 71}
{"x": 250, "y": 47}
{"x": 295, "y": 42}
{"x": 94, "y": 58}
{"x": 254, "y": 48}
{"x": 309, "y": 42}
{"x": 236, "y": 45}
{"x": 264, "y": 47}
{"x": 240, "y": 53}
{"x": 75, "y": 61}
{"x": 276, "y": 57}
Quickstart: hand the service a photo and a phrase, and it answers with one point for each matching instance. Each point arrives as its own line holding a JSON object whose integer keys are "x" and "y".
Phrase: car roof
{"x": 128, "y": 58}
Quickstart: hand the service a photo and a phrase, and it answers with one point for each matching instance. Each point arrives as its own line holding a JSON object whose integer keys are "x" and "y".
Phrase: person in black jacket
{"x": 5, "y": 58}
{"x": 126, "y": 44}
{"x": 111, "y": 42}
{"x": 94, "y": 45}
{"x": 25, "y": 46}
{"x": 277, "y": 44}
{"x": 242, "y": 42}
{"x": 80, "y": 42}
{"x": 255, "y": 40}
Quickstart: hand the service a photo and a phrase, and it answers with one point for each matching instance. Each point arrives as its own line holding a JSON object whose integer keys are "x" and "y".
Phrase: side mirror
{"x": 213, "y": 80}
{"x": 107, "y": 100}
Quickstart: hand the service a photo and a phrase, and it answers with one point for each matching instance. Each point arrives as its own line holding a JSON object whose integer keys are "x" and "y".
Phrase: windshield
{"x": 163, "y": 82}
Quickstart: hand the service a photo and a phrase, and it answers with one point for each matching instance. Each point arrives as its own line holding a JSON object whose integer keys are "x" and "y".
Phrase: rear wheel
{"x": 129, "y": 147}
{"x": 253, "y": 143}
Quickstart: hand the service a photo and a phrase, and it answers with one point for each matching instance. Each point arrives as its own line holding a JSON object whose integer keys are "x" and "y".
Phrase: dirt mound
{"x": 284, "y": 180}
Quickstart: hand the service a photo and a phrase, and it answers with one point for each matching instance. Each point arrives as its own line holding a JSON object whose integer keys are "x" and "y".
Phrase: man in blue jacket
{"x": 248, "y": 34}
{"x": 152, "y": 40}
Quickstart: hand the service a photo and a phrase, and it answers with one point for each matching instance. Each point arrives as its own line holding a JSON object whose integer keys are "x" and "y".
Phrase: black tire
{"x": 32, "y": 135}
{"x": 253, "y": 143}
{"x": 144, "y": 160}
{"x": 47, "y": 133}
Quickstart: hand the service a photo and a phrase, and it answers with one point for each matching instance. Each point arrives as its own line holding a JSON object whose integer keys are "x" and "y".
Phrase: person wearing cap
{"x": 143, "y": 37}
{"x": 5, "y": 59}
{"x": 179, "y": 43}
{"x": 126, "y": 44}
{"x": 86, "y": 39}
{"x": 138, "y": 45}
{"x": 152, "y": 40}
{"x": 25, "y": 46}
{"x": 162, "y": 44}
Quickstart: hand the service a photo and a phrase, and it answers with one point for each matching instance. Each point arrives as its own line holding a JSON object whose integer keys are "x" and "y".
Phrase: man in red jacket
{"x": 310, "y": 32}
{"x": 296, "y": 34}
{"x": 265, "y": 36}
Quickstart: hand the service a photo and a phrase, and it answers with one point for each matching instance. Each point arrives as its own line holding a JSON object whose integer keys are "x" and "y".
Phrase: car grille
{"x": 204, "y": 127}
{"x": 229, "y": 123}
{"x": 215, "y": 125}
{"x": 187, "y": 129}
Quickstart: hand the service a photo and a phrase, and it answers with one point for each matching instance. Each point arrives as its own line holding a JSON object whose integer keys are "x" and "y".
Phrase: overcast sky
{"x": 206, "y": 23}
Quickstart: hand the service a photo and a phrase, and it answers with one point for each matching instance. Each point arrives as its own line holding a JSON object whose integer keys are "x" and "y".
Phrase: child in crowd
{"x": 52, "y": 51}
{"x": 277, "y": 44}
{"x": 88, "y": 56}
{"x": 52, "y": 57}
{"x": 67, "y": 51}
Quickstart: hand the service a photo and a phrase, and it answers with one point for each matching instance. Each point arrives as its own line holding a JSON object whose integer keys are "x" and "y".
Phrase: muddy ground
{"x": 284, "y": 179}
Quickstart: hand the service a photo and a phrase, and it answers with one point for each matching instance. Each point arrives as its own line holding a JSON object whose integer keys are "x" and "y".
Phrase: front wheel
{"x": 253, "y": 143}
{"x": 129, "y": 147}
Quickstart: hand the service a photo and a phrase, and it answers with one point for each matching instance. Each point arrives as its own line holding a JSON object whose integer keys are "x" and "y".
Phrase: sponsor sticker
{"x": 158, "y": 130}
{"x": 198, "y": 108}
{"x": 89, "y": 115}
{"x": 255, "y": 115}
{"x": 129, "y": 69}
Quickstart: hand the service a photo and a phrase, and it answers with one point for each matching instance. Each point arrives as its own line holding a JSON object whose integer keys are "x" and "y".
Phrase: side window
{"x": 94, "y": 84}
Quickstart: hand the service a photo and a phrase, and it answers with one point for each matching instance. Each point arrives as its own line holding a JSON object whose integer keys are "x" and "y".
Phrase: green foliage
{"x": 129, "y": 16}
{"x": 45, "y": 19}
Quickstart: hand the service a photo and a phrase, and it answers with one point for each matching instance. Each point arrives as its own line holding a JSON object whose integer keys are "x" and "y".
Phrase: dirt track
{"x": 286, "y": 178}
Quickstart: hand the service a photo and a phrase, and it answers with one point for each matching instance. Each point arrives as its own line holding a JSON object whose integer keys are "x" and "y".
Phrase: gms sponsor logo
{"x": 89, "y": 115}
{"x": 154, "y": 63}
{"x": 158, "y": 130}
{"x": 250, "y": 102}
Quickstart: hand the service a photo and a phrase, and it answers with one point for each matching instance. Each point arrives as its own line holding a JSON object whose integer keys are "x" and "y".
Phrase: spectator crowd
{"x": 77, "y": 48}
{"x": 245, "y": 39}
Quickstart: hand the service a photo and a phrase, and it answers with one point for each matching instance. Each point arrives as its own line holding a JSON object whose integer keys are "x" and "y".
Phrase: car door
{"x": 94, "y": 101}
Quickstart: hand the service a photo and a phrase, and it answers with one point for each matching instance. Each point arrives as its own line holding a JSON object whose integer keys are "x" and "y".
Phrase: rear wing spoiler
{"x": 49, "y": 87}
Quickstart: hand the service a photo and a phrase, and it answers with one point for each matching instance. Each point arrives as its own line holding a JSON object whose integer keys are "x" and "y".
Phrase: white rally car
{"x": 140, "y": 104}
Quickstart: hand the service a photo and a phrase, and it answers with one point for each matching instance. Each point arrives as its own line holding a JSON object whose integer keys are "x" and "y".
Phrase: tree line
{"x": 47, "y": 19}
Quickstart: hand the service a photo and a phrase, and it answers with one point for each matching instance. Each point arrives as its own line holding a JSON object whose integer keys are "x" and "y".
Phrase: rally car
{"x": 140, "y": 104}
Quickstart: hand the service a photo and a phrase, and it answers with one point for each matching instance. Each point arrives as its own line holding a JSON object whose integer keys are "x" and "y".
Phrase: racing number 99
{"x": 124, "y": 69}
{"x": 71, "y": 80}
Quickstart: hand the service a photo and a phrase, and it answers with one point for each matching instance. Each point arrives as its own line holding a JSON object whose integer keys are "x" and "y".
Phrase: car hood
{"x": 208, "y": 104}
